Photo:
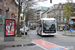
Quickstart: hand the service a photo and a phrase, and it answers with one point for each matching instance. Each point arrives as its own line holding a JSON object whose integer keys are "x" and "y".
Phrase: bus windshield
{"x": 49, "y": 26}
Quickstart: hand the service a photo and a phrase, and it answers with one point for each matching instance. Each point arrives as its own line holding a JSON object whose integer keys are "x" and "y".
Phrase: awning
{"x": 72, "y": 17}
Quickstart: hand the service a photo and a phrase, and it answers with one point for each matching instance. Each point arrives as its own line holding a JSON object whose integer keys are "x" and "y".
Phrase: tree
{"x": 67, "y": 10}
{"x": 27, "y": 5}
{"x": 30, "y": 15}
{"x": 18, "y": 26}
{"x": 28, "y": 9}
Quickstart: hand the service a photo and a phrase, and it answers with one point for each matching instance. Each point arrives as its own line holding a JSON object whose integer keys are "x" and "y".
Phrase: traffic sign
{"x": 70, "y": 22}
{"x": 71, "y": 30}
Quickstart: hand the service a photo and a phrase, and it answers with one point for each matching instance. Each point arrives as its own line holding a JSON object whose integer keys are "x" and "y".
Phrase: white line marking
{"x": 40, "y": 46}
{"x": 54, "y": 44}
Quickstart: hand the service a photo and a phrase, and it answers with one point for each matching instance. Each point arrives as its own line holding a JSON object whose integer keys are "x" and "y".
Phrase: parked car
{"x": 24, "y": 29}
{"x": 33, "y": 27}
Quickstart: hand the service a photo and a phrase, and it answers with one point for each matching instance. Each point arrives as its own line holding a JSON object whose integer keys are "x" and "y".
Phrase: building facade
{"x": 56, "y": 11}
{"x": 11, "y": 9}
{"x": 7, "y": 9}
{"x": 39, "y": 11}
{"x": 2, "y": 9}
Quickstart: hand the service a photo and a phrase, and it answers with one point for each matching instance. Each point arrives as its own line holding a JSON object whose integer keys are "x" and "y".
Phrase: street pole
{"x": 65, "y": 28}
{"x": 24, "y": 29}
{"x": 71, "y": 28}
{"x": 24, "y": 24}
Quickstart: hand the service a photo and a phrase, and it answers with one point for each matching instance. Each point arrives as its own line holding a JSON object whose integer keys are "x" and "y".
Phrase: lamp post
{"x": 21, "y": 18}
{"x": 24, "y": 27}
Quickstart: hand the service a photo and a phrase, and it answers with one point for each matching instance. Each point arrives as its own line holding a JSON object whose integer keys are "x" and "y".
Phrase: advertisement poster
{"x": 9, "y": 27}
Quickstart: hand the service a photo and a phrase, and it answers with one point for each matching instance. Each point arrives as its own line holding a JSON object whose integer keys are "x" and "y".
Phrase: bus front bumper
{"x": 49, "y": 33}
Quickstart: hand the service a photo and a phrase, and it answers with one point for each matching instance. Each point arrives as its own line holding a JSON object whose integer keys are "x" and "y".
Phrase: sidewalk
{"x": 68, "y": 33}
{"x": 18, "y": 40}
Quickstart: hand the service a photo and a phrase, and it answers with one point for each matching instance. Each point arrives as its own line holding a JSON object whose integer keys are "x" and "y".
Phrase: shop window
{"x": 60, "y": 18}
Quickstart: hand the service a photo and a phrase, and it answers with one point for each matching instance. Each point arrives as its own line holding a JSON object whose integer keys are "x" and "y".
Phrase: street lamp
{"x": 21, "y": 18}
{"x": 22, "y": 15}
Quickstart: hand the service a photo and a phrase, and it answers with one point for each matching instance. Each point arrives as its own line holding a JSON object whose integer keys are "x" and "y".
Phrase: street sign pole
{"x": 71, "y": 22}
{"x": 65, "y": 24}
{"x": 24, "y": 29}
{"x": 65, "y": 28}
{"x": 71, "y": 27}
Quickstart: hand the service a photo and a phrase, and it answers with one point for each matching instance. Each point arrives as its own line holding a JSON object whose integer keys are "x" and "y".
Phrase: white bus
{"x": 47, "y": 26}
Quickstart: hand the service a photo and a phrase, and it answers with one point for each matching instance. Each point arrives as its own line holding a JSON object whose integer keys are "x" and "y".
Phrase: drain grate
{"x": 21, "y": 45}
{"x": 31, "y": 44}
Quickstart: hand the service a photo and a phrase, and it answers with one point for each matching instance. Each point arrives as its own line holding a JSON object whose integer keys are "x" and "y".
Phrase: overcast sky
{"x": 48, "y": 4}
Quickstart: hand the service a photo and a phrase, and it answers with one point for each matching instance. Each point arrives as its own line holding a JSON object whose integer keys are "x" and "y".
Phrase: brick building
{"x": 7, "y": 9}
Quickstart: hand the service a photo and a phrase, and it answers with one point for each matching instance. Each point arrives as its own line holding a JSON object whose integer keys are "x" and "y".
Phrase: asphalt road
{"x": 59, "y": 39}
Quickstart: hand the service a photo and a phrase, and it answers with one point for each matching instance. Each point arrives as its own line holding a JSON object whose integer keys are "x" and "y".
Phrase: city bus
{"x": 47, "y": 26}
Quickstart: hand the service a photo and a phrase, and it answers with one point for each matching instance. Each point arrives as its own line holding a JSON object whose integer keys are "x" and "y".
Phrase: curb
{"x": 68, "y": 35}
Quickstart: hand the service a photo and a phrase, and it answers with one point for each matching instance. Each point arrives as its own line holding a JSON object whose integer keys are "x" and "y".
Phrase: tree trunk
{"x": 18, "y": 25}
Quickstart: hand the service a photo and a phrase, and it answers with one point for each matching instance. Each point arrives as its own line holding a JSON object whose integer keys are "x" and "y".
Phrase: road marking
{"x": 40, "y": 46}
{"x": 47, "y": 45}
{"x": 55, "y": 44}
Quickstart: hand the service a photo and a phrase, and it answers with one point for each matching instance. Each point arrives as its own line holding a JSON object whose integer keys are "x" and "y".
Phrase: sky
{"x": 48, "y": 4}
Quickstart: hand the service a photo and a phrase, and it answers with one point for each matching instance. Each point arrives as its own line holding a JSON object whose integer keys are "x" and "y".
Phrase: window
{"x": 60, "y": 18}
{"x": 60, "y": 7}
{"x": 0, "y": 11}
{"x": 59, "y": 12}
{"x": 0, "y": 0}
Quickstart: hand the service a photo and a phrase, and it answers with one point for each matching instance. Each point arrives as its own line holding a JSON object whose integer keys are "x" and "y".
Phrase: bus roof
{"x": 47, "y": 19}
